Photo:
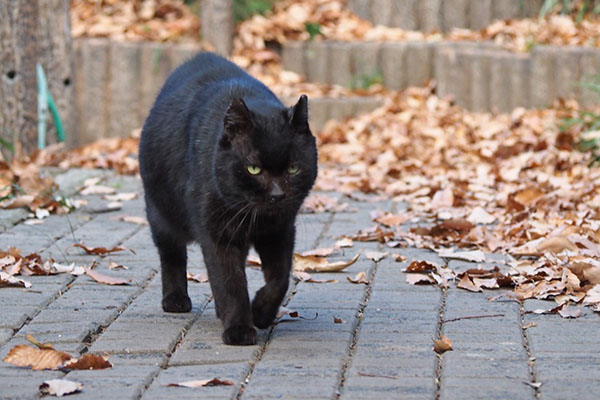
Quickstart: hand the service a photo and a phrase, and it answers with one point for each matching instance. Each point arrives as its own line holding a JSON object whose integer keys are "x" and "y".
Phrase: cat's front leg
{"x": 227, "y": 277}
{"x": 275, "y": 252}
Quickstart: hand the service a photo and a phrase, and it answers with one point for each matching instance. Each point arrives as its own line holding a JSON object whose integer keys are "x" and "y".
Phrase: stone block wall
{"x": 117, "y": 82}
{"x": 442, "y": 15}
{"x": 481, "y": 76}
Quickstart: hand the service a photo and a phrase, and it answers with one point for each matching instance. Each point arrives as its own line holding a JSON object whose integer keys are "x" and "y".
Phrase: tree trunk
{"x": 18, "y": 87}
{"x": 218, "y": 25}
{"x": 33, "y": 31}
{"x": 55, "y": 47}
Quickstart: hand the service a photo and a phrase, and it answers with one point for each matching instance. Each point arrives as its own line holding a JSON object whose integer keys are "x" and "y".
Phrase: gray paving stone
{"x": 379, "y": 388}
{"x": 485, "y": 388}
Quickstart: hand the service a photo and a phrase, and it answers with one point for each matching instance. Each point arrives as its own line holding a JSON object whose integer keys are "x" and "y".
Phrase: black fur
{"x": 209, "y": 122}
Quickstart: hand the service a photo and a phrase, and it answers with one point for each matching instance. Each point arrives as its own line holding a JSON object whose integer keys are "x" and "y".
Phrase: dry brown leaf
{"x": 471, "y": 256}
{"x": 337, "y": 320}
{"x": 101, "y": 250}
{"x": 134, "y": 220}
{"x": 320, "y": 264}
{"x": 306, "y": 277}
{"x": 253, "y": 260}
{"x": 200, "y": 278}
{"x": 421, "y": 266}
{"x": 60, "y": 387}
{"x": 361, "y": 277}
{"x": 568, "y": 312}
{"x": 556, "y": 244}
{"x": 442, "y": 345}
{"x": 399, "y": 257}
{"x": 203, "y": 383}
{"x": 114, "y": 265}
{"x": 392, "y": 220}
{"x": 466, "y": 283}
{"x": 420, "y": 279}
{"x": 376, "y": 255}
{"x": 43, "y": 346}
{"x": 344, "y": 242}
{"x": 105, "y": 279}
{"x": 88, "y": 361}
{"x": 7, "y": 280}
{"x": 38, "y": 359}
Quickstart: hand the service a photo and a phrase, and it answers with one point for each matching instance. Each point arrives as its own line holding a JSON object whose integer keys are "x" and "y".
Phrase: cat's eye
{"x": 253, "y": 169}
{"x": 293, "y": 169}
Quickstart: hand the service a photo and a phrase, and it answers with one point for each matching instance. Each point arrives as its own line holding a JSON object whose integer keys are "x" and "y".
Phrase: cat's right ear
{"x": 298, "y": 115}
{"x": 237, "y": 120}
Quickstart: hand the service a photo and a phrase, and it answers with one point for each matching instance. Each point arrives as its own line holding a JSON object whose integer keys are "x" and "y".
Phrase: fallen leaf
{"x": 306, "y": 277}
{"x": 201, "y": 277}
{"x": 134, "y": 220}
{"x": 38, "y": 359}
{"x": 344, "y": 242}
{"x": 44, "y": 346}
{"x": 253, "y": 260}
{"x": 442, "y": 345}
{"x": 376, "y": 255}
{"x": 114, "y": 265}
{"x": 101, "y": 250}
{"x": 466, "y": 283}
{"x": 88, "y": 361}
{"x": 106, "y": 279}
{"x": 361, "y": 277}
{"x": 97, "y": 189}
{"x": 556, "y": 244}
{"x": 320, "y": 264}
{"x": 472, "y": 256}
{"x": 60, "y": 387}
{"x": 121, "y": 196}
{"x": 202, "y": 383}
{"x": 337, "y": 320}
{"x": 398, "y": 257}
{"x": 7, "y": 280}
{"x": 421, "y": 266}
{"x": 569, "y": 312}
{"x": 391, "y": 220}
{"x": 419, "y": 279}
{"x": 479, "y": 216}
{"x": 529, "y": 325}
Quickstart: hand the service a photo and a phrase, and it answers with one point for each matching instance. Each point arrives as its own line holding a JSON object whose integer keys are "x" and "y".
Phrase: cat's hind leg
{"x": 276, "y": 255}
{"x": 173, "y": 264}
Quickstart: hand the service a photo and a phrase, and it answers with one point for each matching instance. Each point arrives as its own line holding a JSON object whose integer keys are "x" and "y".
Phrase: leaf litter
{"x": 44, "y": 356}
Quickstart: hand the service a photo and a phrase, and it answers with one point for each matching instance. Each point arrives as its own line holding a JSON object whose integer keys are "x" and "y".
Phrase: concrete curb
{"x": 481, "y": 76}
{"x": 429, "y": 15}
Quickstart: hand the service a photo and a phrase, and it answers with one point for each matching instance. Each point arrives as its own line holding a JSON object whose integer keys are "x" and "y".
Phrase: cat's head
{"x": 267, "y": 156}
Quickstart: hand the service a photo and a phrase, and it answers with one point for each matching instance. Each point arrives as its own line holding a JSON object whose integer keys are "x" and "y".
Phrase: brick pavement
{"x": 382, "y": 350}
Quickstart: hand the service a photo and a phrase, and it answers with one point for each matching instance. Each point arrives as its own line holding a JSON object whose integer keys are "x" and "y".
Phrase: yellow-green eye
{"x": 253, "y": 169}
{"x": 293, "y": 169}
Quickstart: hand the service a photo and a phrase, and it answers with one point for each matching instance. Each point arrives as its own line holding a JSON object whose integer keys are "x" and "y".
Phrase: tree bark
{"x": 55, "y": 49}
{"x": 18, "y": 87}
{"x": 218, "y": 25}
{"x": 33, "y": 31}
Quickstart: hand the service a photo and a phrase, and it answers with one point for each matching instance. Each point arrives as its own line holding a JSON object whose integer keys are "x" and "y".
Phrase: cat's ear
{"x": 299, "y": 115}
{"x": 237, "y": 119}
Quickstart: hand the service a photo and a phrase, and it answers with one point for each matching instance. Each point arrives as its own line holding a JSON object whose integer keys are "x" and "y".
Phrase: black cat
{"x": 226, "y": 165}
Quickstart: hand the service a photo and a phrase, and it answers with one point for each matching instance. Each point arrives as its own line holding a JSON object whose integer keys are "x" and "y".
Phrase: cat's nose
{"x": 276, "y": 193}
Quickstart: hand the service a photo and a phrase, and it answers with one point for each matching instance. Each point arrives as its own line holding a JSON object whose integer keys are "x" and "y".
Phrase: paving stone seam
{"x": 439, "y": 368}
{"x": 527, "y": 348}
{"x": 355, "y": 332}
{"x": 62, "y": 290}
{"x": 167, "y": 357}
{"x": 263, "y": 349}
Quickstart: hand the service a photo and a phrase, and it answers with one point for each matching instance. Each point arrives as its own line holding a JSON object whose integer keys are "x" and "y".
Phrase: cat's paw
{"x": 261, "y": 319}
{"x": 176, "y": 303}
{"x": 239, "y": 335}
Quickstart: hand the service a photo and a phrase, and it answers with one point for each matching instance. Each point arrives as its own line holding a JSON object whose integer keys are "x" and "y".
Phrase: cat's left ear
{"x": 237, "y": 119}
{"x": 298, "y": 115}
